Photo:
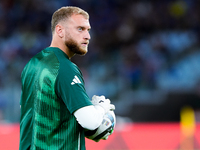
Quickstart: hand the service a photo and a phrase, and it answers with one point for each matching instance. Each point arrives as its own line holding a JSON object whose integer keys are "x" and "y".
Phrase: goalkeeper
{"x": 55, "y": 107}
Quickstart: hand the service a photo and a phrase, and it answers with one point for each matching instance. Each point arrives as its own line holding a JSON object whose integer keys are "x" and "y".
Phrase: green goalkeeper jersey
{"x": 52, "y": 89}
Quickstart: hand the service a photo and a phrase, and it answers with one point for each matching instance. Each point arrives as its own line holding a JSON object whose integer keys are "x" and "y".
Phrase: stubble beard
{"x": 73, "y": 46}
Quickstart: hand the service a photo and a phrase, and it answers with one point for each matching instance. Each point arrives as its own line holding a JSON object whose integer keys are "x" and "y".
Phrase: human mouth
{"x": 85, "y": 43}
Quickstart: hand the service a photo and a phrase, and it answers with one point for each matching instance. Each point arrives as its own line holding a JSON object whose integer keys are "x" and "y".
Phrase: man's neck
{"x": 63, "y": 47}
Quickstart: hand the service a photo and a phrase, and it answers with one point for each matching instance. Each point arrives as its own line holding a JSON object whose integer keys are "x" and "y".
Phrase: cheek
{"x": 67, "y": 36}
{"x": 76, "y": 38}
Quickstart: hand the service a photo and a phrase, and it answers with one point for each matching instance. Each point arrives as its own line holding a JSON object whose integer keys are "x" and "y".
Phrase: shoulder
{"x": 32, "y": 64}
{"x": 68, "y": 70}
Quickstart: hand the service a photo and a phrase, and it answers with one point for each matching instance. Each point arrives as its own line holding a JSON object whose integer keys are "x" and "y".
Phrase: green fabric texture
{"x": 50, "y": 94}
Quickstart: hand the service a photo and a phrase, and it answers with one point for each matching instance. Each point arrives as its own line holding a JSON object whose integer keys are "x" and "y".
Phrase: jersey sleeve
{"x": 70, "y": 88}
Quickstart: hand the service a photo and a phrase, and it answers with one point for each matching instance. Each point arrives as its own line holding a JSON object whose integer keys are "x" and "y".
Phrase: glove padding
{"x": 107, "y": 135}
{"x": 103, "y": 102}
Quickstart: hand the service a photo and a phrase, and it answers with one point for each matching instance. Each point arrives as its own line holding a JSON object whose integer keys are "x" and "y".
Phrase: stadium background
{"x": 143, "y": 55}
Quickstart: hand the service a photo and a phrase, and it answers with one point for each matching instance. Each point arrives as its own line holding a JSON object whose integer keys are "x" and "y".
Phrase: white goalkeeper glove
{"x": 103, "y": 102}
{"x": 105, "y": 137}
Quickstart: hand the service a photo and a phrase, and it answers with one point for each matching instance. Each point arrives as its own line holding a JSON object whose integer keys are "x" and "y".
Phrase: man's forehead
{"x": 79, "y": 20}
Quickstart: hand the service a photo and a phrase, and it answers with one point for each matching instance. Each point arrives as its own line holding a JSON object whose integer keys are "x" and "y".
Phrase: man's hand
{"x": 103, "y": 102}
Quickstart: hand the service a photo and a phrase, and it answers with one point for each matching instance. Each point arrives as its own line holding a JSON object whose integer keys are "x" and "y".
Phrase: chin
{"x": 82, "y": 52}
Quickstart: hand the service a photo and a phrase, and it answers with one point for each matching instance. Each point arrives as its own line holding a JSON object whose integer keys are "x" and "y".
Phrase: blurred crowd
{"x": 136, "y": 45}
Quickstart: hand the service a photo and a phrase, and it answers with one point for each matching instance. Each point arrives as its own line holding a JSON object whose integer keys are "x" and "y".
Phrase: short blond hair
{"x": 64, "y": 13}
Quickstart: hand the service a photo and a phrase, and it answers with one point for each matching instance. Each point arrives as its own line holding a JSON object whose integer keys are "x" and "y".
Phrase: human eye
{"x": 80, "y": 28}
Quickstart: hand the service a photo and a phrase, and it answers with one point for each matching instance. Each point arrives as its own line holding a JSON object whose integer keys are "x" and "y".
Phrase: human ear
{"x": 59, "y": 30}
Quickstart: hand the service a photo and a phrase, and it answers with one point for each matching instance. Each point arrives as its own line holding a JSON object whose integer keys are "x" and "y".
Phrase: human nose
{"x": 87, "y": 35}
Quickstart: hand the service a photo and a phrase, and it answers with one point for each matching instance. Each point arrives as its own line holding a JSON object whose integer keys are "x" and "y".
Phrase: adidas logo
{"x": 75, "y": 80}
